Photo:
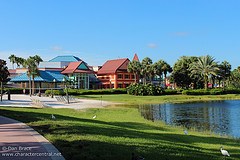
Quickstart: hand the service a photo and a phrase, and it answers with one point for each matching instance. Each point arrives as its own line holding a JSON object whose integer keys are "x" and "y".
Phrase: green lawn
{"x": 130, "y": 99}
{"x": 119, "y": 131}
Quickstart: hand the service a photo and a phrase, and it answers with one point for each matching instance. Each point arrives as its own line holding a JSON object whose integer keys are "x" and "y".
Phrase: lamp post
{"x": 54, "y": 80}
{"x": 65, "y": 86}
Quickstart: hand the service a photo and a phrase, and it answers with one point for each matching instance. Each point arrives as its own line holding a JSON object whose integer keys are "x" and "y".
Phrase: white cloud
{"x": 152, "y": 45}
{"x": 57, "y": 48}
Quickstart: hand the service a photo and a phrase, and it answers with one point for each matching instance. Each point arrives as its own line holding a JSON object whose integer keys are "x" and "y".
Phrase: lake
{"x": 221, "y": 117}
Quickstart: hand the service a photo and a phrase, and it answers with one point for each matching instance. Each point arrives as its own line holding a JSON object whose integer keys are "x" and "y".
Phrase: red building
{"x": 114, "y": 74}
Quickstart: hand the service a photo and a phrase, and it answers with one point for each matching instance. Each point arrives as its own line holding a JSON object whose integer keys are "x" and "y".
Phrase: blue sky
{"x": 98, "y": 30}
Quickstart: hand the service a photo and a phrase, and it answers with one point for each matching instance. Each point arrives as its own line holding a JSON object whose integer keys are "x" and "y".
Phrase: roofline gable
{"x": 122, "y": 64}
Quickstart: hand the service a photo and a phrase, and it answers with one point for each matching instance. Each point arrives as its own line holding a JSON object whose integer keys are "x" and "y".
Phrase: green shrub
{"x": 232, "y": 91}
{"x": 94, "y": 92}
{"x": 55, "y": 92}
{"x": 14, "y": 90}
{"x": 143, "y": 90}
{"x": 216, "y": 91}
{"x": 196, "y": 92}
{"x": 203, "y": 92}
{"x": 170, "y": 92}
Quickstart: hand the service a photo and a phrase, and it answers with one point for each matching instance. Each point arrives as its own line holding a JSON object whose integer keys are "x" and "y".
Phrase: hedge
{"x": 211, "y": 91}
{"x": 55, "y": 92}
{"x": 232, "y": 91}
{"x": 170, "y": 92}
{"x": 94, "y": 92}
{"x": 14, "y": 90}
{"x": 144, "y": 90}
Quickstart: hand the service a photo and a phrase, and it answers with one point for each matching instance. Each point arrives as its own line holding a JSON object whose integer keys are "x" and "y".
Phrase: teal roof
{"x": 65, "y": 59}
{"x": 83, "y": 66}
{"x": 45, "y": 76}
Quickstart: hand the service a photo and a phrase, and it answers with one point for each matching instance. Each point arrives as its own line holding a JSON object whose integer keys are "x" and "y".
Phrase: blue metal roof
{"x": 69, "y": 58}
{"x": 45, "y": 76}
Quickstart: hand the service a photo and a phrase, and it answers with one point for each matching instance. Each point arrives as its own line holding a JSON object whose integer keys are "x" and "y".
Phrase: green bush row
{"x": 55, "y": 92}
{"x": 94, "y": 92}
{"x": 211, "y": 92}
{"x": 170, "y": 92}
{"x": 14, "y": 90}
{"x": 144, "y": 90}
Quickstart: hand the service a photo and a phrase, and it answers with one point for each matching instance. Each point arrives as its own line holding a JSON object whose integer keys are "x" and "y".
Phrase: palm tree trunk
{"x": 206, "y": 82}
{"x": 144, "y": 79}
{"x": 1, "y": 90}
{"x": 33, "y": 86}
{"x": 165, "y": 80}
{"x": 135, "y": 77}
{"x": 29, "y": 86}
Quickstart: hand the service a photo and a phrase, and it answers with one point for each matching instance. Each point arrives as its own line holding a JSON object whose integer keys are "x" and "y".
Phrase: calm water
{"x": 221, "y": 117}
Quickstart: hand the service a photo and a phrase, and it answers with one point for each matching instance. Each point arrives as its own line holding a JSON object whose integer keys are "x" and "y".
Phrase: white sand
{"x": 20, "y": 100}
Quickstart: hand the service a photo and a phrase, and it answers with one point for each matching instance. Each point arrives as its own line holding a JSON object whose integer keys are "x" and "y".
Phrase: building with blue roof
{"x": 45, "y": 76}
{"x": 46, "y": 79}
{"x": 53, "y": 72}
{"x": 68, "y": 58}
{"x": 59, "y": 62}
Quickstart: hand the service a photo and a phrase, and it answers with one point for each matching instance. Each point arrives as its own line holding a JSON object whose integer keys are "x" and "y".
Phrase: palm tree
{"x": 37, "y": 59}
{"x": 225, "y": 71}
{"x": 205, "y": 66}
{"x": 158, "y": 69}
{"x": 135, "y": 68}
{"x": 35, "y": 73}
{"x": 27, "y": 65}
{"x": 3, "y": 74}
{"x": 19, "y": 61}
{"x": 12, "y": 59}
{"x": 32, "y": 72}
{"x": 146, "y": 68}
{"x": 166, "y": 68}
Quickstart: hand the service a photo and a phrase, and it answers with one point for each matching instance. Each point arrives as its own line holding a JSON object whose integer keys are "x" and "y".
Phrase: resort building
{"x": 52, "y": 74}
{"x": 135, "y": 58}
{"x": 79, "y": 74}
{"x": 59, "y": 62}
{"x": 114, "y": 74}
{"x": 46, "y": 79}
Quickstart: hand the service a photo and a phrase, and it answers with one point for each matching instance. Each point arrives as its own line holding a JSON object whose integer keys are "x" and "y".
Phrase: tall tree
{"x": 235, "y": 78}
{"x": 205, "y": 66}
{"x": 146, "y": 68}
{"x": 3, "y": 74}
{"x": 20, "y": 61}
{"x": 158, "y": 70}
{"x": 37, "y": 59}
{"x": 166, "y": 68}
{"x": 12, "y": 59}
{"x": 224, "y": 71}
{"x": 135, "y": 68}
{"x": 32, "y": 72}
{"x": 181, "y": 74}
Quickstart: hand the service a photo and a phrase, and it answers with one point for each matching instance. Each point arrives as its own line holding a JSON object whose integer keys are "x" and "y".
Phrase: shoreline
{"x": 126, "y": 99}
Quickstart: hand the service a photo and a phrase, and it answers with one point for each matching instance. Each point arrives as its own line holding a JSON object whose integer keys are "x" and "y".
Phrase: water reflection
{"x": 221, "y": 117}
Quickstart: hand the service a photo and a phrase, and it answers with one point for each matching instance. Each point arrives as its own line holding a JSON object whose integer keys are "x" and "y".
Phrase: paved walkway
{"x": 20, "y": 100}
{"x": 20, "y": 142}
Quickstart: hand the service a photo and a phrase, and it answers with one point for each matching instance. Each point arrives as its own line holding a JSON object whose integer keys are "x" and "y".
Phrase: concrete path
{"x": 20, "y": 142}
{"x": 20, "y": 100}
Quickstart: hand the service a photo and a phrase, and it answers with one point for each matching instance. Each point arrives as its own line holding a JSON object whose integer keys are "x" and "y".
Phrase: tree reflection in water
{"x": 220, "y": 117}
